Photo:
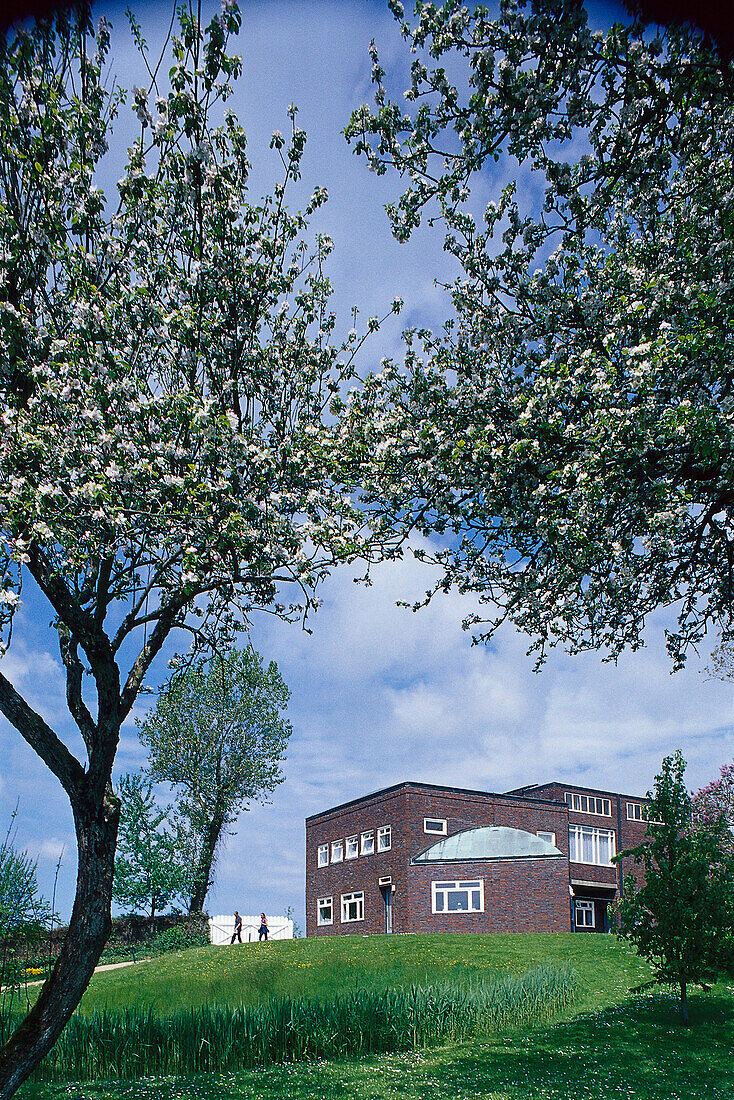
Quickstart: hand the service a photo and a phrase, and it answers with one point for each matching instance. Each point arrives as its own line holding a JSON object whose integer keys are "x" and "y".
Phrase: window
{"x": 384, "y": 838}
{"x": 352, "y": 847}
{"x": 591, "y": 845}
{"x": 588, "y": 804}
{"x": 434, "y": 825}
{"x": 323, "y": 855}
{"x": 368, "y": 843}
{"x": 549, "y": 837}
{"x": 584, "y": 913}
{"x": 458, "y": 897}
{"x": 352, "y": 907}
{"x": 337, "y": 851}
{"x": 325, "y": 909}
{"x": 636, "y": 811}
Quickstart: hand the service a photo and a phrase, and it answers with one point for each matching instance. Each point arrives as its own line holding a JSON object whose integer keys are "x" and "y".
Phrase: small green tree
{"x": 24, "y": 916}
{"x": 148, "y": 871}
{"x": 217, "y": 734}
{"x": 679, "y": 913}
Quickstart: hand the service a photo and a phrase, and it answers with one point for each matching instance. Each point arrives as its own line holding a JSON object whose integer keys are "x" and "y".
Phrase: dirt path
{"x": 97, "y": 969}
{"x": 116, "y": 966}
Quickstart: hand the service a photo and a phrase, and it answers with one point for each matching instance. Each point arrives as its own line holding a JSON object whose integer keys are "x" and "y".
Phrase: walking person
{"x": 237, "y": 934}
{"x": 263, "y": 929}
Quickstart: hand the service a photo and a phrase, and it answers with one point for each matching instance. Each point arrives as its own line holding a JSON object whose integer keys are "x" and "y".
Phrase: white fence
{"x": 221, "y": 928}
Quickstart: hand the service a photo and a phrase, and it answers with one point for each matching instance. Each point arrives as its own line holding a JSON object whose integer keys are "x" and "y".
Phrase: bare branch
{"x": 41, "y": 738}
{"x": 77, "y": 707}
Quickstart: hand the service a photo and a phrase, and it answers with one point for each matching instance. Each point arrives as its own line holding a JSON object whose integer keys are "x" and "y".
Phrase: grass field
{"x": 250, "y": 973}
{"x": 609, "y": 1045}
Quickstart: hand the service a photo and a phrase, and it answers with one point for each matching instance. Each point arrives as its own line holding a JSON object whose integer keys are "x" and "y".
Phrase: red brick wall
{"x": 356, "y": 874}
{"x": 467, "y": 810}
{"x": 519, "y": 895}
{"x": 628, "y": 834}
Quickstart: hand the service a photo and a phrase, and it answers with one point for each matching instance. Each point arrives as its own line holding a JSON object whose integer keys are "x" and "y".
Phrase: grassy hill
{"x": 606, "y": 1044}
{"x": 250, "y": 973}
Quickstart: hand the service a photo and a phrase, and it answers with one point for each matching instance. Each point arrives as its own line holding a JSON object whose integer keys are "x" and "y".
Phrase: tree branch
{"x": 41, "y": 738}
{"x": 80, "y": 622}
{"x": 161, "y": 630}
{"x": 77, "y": 707}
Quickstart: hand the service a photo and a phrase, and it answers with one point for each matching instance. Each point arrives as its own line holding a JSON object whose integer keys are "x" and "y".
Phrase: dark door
{"x": 387, "y": 898}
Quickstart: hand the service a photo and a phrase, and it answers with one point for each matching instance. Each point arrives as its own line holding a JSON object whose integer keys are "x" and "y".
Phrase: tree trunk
{"x": 204, "y": 866}
{"x": 684, "y": 1004}
{"x": 88, "y": 931}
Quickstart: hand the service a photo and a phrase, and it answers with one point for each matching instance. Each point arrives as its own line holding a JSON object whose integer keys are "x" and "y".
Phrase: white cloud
{"x": 55, "y": 848}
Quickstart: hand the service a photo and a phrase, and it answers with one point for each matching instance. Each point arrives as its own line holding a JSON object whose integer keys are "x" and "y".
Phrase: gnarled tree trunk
{"x": 89, "y": 928}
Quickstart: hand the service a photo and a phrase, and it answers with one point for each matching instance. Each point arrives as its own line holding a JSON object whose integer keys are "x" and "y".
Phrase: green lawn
{"x": 612, "y": 1045}
{"x": 248, "y": 973}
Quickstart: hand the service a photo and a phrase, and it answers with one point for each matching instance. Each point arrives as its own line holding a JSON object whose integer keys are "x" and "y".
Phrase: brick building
{"x": 422, "y": 858}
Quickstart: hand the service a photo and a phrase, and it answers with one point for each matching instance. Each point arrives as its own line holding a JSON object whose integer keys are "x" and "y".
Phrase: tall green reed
{"x": 138, "y": 1042}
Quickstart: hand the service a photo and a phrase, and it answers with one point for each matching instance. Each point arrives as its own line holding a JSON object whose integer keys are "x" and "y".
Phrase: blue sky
{"x": 379, "y": 694}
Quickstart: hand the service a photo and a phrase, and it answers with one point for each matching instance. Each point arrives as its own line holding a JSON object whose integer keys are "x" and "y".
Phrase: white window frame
{"x": 322, "y": 859}
{"x": 384, "y": 834}
{"x": 351, "y": 847}
{"x": 589, "y": 804}
{"x": 368, "y": 843}
{"x": 444, "y": 888}
{"x": 439, "y": 821}
{"x": 576, "y": 848}
{"x": 322, "y": 903}
{"x": 583, "y": 905}
{"x": 337, "y": 846}
{"x": 545, "y": 834}
{"x": 356, "y": 899}
{"x": 643, "y": 815}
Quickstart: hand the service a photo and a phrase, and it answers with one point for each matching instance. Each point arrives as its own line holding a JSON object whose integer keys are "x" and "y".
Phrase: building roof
{"x": 432, "y": 787}
{"x": 489, "y": 842}
{"x": 573, "y": 787}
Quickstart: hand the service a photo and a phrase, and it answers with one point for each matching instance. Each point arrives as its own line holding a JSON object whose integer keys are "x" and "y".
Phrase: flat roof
{"x": 576, "y": 787}
{"x": 510, "y": 796}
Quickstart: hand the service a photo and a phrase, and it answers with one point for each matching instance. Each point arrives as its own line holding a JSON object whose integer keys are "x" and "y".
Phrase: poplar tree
{"x": 217, "y": 734}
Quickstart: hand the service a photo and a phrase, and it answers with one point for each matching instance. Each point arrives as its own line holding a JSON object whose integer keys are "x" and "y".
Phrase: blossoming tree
{"x": 716, "y": 799}
{"x": 571, "y": 431}
{"x": 168, "y": 460}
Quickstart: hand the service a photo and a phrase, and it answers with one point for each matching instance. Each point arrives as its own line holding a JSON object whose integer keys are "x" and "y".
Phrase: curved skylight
{"x": 490, "y": 842}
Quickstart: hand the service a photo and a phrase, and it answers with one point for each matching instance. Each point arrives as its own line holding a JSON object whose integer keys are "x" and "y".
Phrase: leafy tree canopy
{"x": 570, "y": 431}
{"x": 20, "y": 903}
{"x": 680, "y": 913}
{"x": 171, "y": 453}
{"x": 218, "y": 735}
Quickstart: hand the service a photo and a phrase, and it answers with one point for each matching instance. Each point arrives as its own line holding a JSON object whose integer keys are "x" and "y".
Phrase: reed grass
{"x": 138, "y": 1042}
